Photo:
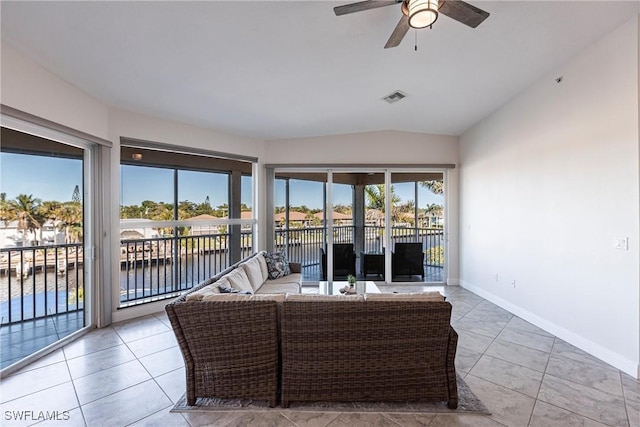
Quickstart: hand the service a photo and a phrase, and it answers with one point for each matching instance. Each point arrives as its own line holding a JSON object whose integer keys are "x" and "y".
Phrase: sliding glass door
{"x": 45, "y": 242}
{"x": 377, "y": 224}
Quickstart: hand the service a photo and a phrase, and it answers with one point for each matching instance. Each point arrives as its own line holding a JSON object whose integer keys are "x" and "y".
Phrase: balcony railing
{"x": 162, "y": 267}
{"x": 303, "y": 244}
{"x": 40, "y": 281}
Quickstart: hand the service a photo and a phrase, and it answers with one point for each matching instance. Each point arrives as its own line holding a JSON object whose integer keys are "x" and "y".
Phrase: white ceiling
{"x": 288, "y": 69}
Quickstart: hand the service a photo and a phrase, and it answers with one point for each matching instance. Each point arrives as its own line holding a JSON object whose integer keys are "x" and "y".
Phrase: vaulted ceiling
{"x": 289, "y": 69}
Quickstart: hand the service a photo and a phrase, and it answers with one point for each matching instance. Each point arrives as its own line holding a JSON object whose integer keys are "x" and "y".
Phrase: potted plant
{"x": 351, "y": 279}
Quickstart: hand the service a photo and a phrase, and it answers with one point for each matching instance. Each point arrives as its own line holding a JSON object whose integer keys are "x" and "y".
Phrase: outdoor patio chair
{"x": 344, "y": 261}
{"x": 407, "y": 259}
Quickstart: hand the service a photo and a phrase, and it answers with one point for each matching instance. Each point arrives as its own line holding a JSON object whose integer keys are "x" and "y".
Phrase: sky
{"x": 46, "y": 178}
{"x": 49, "y": 178}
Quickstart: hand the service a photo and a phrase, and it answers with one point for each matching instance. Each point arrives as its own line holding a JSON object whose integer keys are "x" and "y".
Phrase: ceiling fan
{"x": 419, "y": 14}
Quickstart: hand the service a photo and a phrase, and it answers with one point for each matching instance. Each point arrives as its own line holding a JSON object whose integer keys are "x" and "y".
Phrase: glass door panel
{"x": 417, "y": 228}
{"x": 371, "y": 193}
{"x": 299, "y": 220}
{"x": 43, "y": 276}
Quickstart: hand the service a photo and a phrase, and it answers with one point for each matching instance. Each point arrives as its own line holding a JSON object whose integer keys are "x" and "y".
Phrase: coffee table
{"x": 362, "y": 286}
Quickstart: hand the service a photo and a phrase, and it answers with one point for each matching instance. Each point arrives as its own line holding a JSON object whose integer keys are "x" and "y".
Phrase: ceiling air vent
{"x": 394, "y": 97}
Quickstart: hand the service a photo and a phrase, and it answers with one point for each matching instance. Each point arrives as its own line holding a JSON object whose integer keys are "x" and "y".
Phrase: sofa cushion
{"x": 416, "y": 296}
{"x": 244, "y": 297}
{"x": 238, "y": 279}
{"x": 263, "y": 265}
{"x": 317, "y": 297}
{"x": 277, "y": 264}
{"x": 230, "y": 290}
{"x": 211, "y": 289}
{"x": 254, "y": 272}
{"x": 279, "y": 288}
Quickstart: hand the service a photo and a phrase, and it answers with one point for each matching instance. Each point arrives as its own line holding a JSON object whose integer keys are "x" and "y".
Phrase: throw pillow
{"x": 277, "y": 264}
{"x": 230, "y": 290}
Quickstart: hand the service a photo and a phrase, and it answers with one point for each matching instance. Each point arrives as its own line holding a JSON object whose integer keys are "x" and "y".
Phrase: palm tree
{"x": 7, "y": 213}
{"x": 376, "y": 195}
{"x": 26, "y": 211}
{"x": 435, "y": 186}
{"x": 48, "y": 210}
{"x": 70, "y": 216}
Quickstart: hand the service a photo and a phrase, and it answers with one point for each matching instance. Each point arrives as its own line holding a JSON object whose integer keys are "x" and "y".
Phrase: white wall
{"x": 28, "y": 87}
{"x": 382, "y": 147}
{"x": 370, "y": 147}
{"x": 138, "y": 126}
{"x": 546, "y": 184}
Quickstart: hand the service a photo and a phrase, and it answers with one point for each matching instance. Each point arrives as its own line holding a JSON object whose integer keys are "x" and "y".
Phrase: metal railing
{"x": 304, "y": 245}
{"x": 162, "y": 267}
{"x": 40, "y": 281}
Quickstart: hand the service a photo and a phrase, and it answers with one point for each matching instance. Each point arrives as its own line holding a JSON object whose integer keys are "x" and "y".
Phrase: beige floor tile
{"x": 519, "y": 324}
{"x": 72, "y": 418}
{"x": 163, "y": 418}
{"x": 465, "y": 421}
{"x": 527, "y": 339}
{"x": 507, "y": 374}
{"x": 109, "y": 381}
{"x": 100, "y": 360}
{"x": 521, "y": 355}
{"x": 27, "y": 382}
{"x": 152, "y": 344}
{"x": 472, "y": 341}
{"x": 96, "y": 340}
{"x": 631, "y": 387}
{"x": 127, "y": 406}
{"x": 466, "y": 359}
{"x": 163, "y": 361}
{"x": 26, "y": 410}
{"x": 411, "y": 420}
{"x": 206, "y": 419}
{"x": 546, "y": 415}
{"x": 310, "y": 419}
{"x": 142, "y": 327}
{"x": 490, "y": 328}
{"x": 507, "y": 406}
{"x": 362, "y": 419}
{"x": 173, "y": 384}
{"x": 599, "y": 377}
{"x": 261, "y": 419}
{"x": 588, "y": 402}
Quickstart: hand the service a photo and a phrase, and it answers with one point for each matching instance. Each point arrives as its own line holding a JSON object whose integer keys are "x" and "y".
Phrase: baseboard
{"x": 625, "y": 365}
{"x": 132, "y": 312}
{"x": 453, "y": 282}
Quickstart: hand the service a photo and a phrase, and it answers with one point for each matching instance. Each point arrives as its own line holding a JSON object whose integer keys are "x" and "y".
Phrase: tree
{"x": 435, "y": 186}
{"x": 75, "y": 197}
{"x": 375, "y": 195}
{"x": 70, "y": 217}
{"x": 7, "y": 213}
{"x": 26, "y": 211}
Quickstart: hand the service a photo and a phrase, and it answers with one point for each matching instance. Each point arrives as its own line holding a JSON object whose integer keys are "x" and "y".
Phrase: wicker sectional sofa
{"x": 296, "y": 347}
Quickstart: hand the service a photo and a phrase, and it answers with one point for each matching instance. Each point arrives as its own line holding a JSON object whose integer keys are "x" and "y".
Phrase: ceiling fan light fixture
{"x": 422, "y": 13}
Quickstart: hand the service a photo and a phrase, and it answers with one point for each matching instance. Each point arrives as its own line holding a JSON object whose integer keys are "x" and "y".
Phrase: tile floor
{"x": 18, "y": 340}
{"x": 131, "y": 373}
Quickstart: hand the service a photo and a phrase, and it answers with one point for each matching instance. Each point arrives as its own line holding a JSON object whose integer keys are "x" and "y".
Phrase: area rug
{"x": 468, "y": 403}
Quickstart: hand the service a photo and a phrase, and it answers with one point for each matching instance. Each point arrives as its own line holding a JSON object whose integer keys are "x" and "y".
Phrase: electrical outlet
{"x": 621, "y": 243}
{"x": 513, "y": 283}
{"x": 495, "y": 276}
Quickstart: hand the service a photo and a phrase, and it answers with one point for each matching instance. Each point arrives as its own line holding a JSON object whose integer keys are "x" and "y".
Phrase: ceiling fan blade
{"x": 363, "y": 5}
{"x": 463, "y": 12}
{"x": 398, "y": 33}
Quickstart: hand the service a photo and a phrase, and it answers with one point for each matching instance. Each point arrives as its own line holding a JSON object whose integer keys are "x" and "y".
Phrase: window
{"x": 184, "y": 218}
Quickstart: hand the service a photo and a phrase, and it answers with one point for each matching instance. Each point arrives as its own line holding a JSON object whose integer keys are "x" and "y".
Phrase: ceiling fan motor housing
{"x": 421, "y": 13}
